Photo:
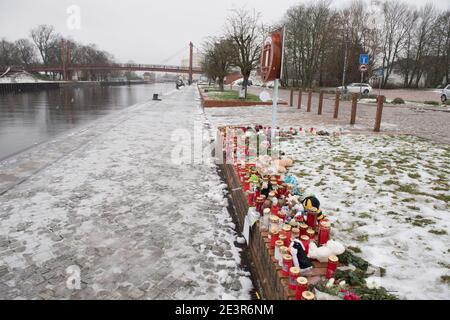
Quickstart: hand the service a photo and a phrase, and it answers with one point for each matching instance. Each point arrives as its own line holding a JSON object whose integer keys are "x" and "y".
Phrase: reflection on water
{"x": 30, "y": 118}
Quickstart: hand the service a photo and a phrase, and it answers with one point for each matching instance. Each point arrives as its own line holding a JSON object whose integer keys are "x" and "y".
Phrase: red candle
{"x": 310, "y": 233}
{"x": 259, "y": 204}
{"x": 287, "y": 264}
{"x": 275, "y": 209}
{"x": 273, "y": 238}
{"x": 311, "y": 219}
{"x": 246, "y": 185}
{"x": 305, "y": 241}
{"x": 302, "y": 286}
{"x": 303, "y": 229}
{"x": 287, "y": 232}
{"x": 295, "y": 234}
{"x": 294, "y": 273}
{"x": 251, "y": 199}
{"x": 283, "y": 238}
{"x": 331, "y": 266}
{"x": 324, "y": 232}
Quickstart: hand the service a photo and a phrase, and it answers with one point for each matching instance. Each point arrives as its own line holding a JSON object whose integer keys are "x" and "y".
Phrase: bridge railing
{"x": 97, "y": 66}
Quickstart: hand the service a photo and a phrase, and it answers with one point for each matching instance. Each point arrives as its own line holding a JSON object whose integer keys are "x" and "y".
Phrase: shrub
{"x": 433, "y": 103}
{"x": 375, "y": 96}
{"x": 398, "y": 101}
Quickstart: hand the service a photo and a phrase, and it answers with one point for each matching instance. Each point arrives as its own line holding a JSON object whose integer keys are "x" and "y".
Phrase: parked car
{"x": 445, "y": 93}
{"x": 356, "y": 88}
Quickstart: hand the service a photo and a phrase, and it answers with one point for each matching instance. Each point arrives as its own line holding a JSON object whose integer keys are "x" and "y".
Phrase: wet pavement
{"x": 107, "y": 208}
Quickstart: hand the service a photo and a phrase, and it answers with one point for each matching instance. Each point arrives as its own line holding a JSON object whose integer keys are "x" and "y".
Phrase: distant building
{"x": 148, "y": 76}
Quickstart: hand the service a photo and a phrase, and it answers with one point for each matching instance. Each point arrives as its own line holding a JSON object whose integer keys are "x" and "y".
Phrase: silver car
{"x": 445, "y": 95}
{"x": 356, "y": 88}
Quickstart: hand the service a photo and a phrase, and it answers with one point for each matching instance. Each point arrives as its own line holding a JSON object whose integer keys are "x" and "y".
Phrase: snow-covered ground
{"x": 388, "y": 196}
{"x": 138, "y": 225}
{"x": 22, "y": 77}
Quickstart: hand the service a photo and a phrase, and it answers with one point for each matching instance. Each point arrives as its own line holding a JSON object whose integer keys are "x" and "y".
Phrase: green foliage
{"x": 398, "y": 101}
{"x": 348, "y": 258}
{"x": 433, "y": 103}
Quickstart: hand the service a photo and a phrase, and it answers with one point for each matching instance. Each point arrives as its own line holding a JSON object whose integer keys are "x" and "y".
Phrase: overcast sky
{"x": 145, "y": 31}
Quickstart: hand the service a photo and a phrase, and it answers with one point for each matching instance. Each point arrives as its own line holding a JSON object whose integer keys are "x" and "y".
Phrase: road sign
{"x": 363, "y": 68}
{"x": 364, "y": 58}
{"x": 379, "y": 73}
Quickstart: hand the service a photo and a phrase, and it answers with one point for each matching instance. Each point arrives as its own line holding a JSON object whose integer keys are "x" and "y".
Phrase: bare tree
{"x": 25, "y": 51}
{"x": 394, "y": 29}
{"x": 8, "y": 54}
{"x": 219, "y": 57}
{"x": 245, "y": 30}
{"x": 309, "y": 28}
{"x": 44, "y": 37}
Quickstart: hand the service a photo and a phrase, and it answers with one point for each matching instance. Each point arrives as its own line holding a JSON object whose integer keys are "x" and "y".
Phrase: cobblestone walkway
{"x": 109, "y": 201}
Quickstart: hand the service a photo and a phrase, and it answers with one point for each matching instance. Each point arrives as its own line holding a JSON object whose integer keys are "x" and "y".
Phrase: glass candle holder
{"x": 294, "y": 273}
{"x": 302, "y": 286}
{"x": 308, "y": 295}
{"x": 332, "y": 266}
{"x": 287, "y": 264}
{"x": 305, "y": 242}
{"x": 324, "y": 232}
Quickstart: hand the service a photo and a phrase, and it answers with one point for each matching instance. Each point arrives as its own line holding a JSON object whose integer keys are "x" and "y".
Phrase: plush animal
{"x": 324, "y": 252}
{"x": 299, "y": 256}
{"x": 311, "y": 203}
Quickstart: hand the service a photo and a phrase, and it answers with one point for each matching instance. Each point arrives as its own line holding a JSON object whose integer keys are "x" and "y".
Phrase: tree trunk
{"x": 221, "y": 84}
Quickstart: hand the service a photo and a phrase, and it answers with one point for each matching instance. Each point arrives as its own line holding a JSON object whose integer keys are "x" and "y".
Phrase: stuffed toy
{"x": 299, "y": 256}
{"x": 324, "y": 252}
{"x": 310, "y": 203}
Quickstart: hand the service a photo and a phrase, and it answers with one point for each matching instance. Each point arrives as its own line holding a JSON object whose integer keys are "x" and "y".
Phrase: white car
{"x": 445, "y": 95}
{"x": 356, "y": 88}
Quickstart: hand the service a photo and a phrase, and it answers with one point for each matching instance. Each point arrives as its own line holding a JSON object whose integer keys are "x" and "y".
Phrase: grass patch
{"x": 362, "y": 238}
{"x": 420, "y": 221}
{"x": 445, "y": 279}
{"x": 433, "y": 103}
{"x": 408, "y": 188}
{"x": 438, "y": 232}
{"x": 390, "y": 182}
{"x": 364, "y": 215}
{"x": 414, "y": 175}
{"x": 231, "y": 95}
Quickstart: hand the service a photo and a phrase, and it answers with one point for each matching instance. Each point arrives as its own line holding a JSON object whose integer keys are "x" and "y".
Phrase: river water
{"x": 27, "y": 119}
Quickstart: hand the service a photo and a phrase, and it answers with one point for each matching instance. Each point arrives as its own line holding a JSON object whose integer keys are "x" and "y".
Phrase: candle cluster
{"x": 291, "y": 217}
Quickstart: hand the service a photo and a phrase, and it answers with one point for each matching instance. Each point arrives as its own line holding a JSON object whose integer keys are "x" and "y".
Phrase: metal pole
{"x": 191, "y": 60}
{"x": 360, "y": 84}
{"x": 379, "y": 85}
{"x": 274, "y": 112}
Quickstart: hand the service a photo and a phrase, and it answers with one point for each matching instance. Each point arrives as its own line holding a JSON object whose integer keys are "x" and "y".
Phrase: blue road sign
{"x": 379, "y": 72}
{"x": 364, "y": 58}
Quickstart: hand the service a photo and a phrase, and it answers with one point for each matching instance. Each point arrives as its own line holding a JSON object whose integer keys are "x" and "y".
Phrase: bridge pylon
{"x": 191, "y": 60}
